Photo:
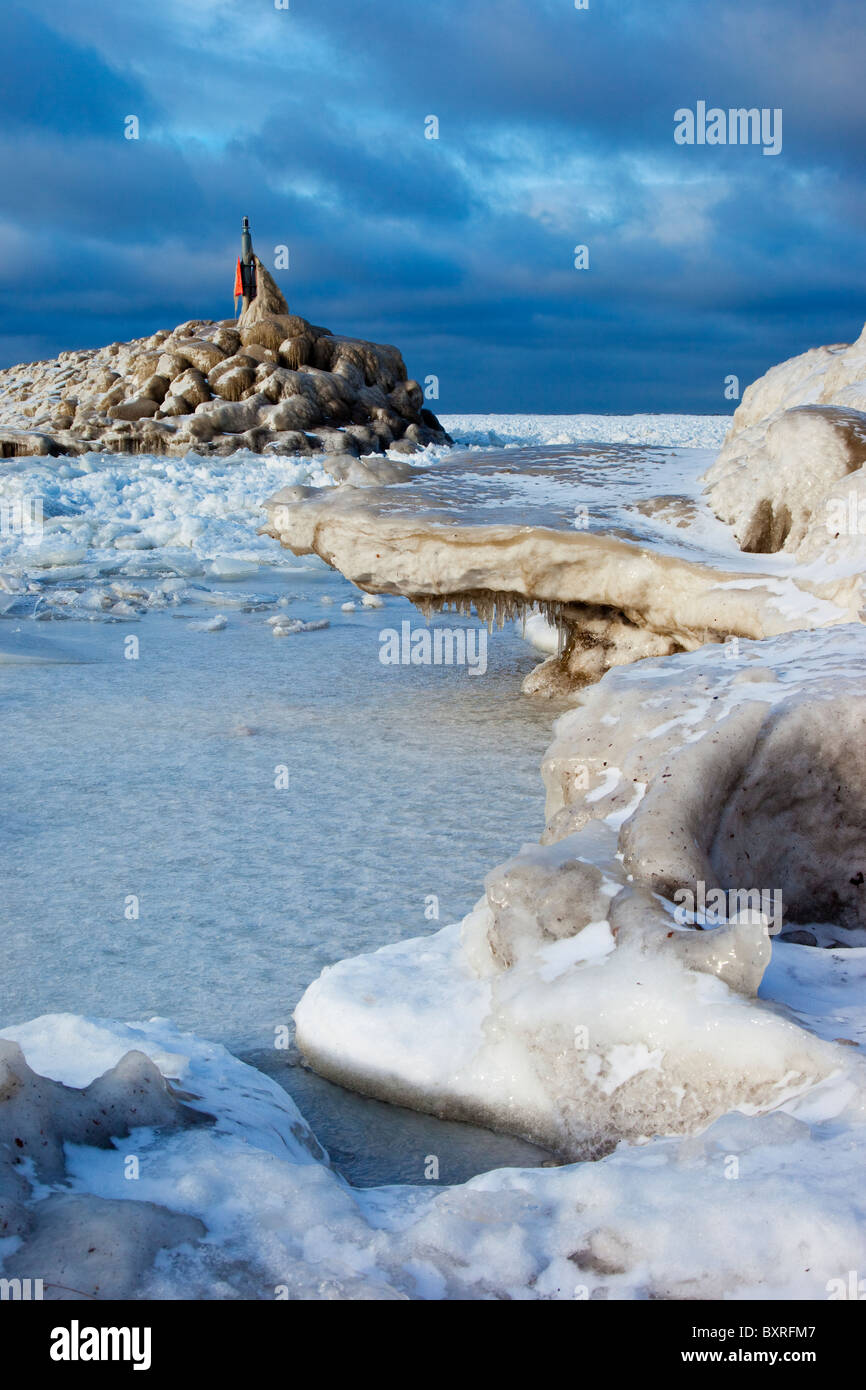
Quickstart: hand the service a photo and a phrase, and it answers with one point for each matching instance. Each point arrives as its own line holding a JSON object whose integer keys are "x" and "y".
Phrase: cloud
{"x": 556, "y": 128}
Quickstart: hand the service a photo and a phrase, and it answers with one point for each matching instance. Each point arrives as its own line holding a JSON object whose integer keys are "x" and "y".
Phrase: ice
{"x": 543, "y": 635}
{"x": 790, "y": 477}
{"x": 146, "y": 516}
{"x": 332, "y": 806}
{"x": 232, "y": 567}
{"x": 647, "y": 572}
{"x": 289, "y": 627}
{"x": 518, "y": 431}
{"x": 250, "y": 1208}
{"x": 214, "y": 624}
{"x": 156, "y": 783}
{"x": 573, "y": 1007}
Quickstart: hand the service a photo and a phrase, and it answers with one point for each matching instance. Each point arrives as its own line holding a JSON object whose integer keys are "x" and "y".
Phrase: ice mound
{"x": 789, "y": 477}
{"x": 77, "y": 1243}
{"x": 604, "y": 989}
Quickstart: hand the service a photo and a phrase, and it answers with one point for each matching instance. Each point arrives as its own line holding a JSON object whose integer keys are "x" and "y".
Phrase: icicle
{"x": 496, "y": 608}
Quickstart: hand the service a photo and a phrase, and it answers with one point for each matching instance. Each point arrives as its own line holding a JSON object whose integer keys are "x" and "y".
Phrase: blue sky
{"x": 555, "y": 130}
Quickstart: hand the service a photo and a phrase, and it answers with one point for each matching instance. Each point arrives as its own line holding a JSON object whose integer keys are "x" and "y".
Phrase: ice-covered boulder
{"x": 605, "y": 988}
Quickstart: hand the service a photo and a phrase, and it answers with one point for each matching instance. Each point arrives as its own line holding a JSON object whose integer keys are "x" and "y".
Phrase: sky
{"x": 556, "y": 130}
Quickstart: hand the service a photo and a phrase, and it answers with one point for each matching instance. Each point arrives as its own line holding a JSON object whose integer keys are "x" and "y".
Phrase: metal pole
{"x": 248, "y": 270}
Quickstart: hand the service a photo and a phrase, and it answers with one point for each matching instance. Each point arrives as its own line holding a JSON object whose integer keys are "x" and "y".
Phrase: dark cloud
{"x": 556, "y": 128}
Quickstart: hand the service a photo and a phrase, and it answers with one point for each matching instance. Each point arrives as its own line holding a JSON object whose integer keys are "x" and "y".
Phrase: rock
{"x": 233, "y": 417}
{"x": 272, "y": 378}
{"x": 175, "y": 405}
{"x": 113, "y": 396}
{"x": 275, "y": 382}
{"x": 139, "y": 408}
{"x": 234, "y": 384}
{"x": 432, "y": 423}
{"x": 297, "y": 351}
{"x": 202, "y": 355}
{"x": 260, "y": 353}
{"x": 407, "y": 398}
{"x": 200, "y": 429}
{"x": 229, "y": 339}
{"x": 170, "y": 365}
{"x": 294, "y": 413}
{"x": 192, "y": 386}
{"x": 240, "y": 359}
{"x": 800, "y": 937}
{"x": 367, "y": 439}
{"x": 155, "y": 387}
{"x": 144, "y": 368}
{"x": 16, "y": 443}
{"x": 337, "y": 442}
{"x": 287, "y": 442}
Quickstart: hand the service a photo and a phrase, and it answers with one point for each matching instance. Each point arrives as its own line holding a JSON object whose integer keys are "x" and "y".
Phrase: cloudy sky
{"x": 556, "y": 129}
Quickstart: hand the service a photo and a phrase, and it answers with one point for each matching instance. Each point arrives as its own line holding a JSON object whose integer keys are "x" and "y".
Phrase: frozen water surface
{"x": 153, "y": 779}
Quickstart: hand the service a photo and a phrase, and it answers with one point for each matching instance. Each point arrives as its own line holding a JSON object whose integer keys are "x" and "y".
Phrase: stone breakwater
{"x": 269, "y": 382}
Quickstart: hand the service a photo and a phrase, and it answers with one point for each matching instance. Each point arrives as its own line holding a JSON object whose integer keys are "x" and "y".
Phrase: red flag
{"x": 239, "y": 281}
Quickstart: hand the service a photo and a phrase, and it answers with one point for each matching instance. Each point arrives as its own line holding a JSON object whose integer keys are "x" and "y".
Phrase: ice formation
{"x": 270, "y": 381}
{"x": 580, "y": 1004}
{"x": 81, "y": 1244}
{"x": 574, "y": 1007}
{"x": 790, "y": 475}
{"x": 246, "y": 1205}
{"x": 789, "y": 480}
{"x": 616, "y": 598}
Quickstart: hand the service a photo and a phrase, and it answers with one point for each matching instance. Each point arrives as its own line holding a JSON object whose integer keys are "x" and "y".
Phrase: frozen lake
{"x": 152, "y": 866}
{"x": 155, "y": 779}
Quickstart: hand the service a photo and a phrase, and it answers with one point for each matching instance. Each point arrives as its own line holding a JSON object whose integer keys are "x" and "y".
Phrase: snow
{"x": 666, "y": 1220}
{"x": 687, "y": 431}
{"x": 527, "y": 1019}
{"x": 147, "y": 517}
{"x": 567, "y": 1008}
